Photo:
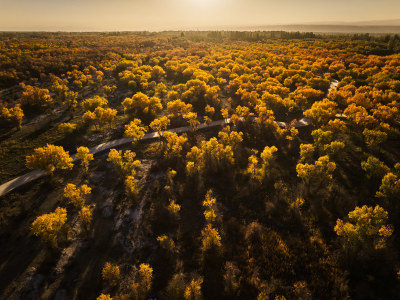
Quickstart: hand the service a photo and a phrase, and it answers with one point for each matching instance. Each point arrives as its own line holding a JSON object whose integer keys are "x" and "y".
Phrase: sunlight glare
{"x": 203, "y": 3}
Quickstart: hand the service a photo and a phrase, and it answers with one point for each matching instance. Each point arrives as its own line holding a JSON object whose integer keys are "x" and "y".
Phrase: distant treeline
{"x": 245, "y": 35}
{"x": 383, "y": 44}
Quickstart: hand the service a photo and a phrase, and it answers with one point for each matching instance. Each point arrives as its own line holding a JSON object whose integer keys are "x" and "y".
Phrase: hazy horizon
{"x": 158, "y": 15}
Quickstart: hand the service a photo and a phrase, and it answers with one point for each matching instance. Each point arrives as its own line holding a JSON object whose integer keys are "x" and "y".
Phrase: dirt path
{"x": 33, "y": 175}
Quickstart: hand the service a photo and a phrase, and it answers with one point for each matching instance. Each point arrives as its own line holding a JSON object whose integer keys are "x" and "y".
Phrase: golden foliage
{"x": 35, "y": 97}
{"x": 174, "y": 208}
{"x": 193, "y": 290}
{"x": 92, "y": 103}
{"x": 159, "y": 125}
{"x": 141, "y": 288}
{"x": 49, "y": 158}
{"x": 77, "y": 195}
{"x": 390, "y": 186}
{"x": 178, "y": 108}
{"x": 49, "y": 226}
{"x": 258, "y": 167}
{"x": 320, "y": 170}
{"x": 83, "y": 154}
{"x": 212, "y": 156}
{"x": 374, "y": 168}
{"x": 67, "y": 127}
{"x": 13, "y": 115}
{"x": 136, "y": 130}
{"x": 142, "y": 104}
{"x": 367, "y": 226}
{"x": 111, "y": 274}
{"x": 86, "y": 216}
{"x": 210, "y": 238}
{"x": 321, "y": 112}
{"x": 174, "y": 144}
{"x": 104, "y": 297}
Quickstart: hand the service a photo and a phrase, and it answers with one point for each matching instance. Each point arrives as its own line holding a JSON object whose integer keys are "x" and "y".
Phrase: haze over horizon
{"x": 157, "y": 15}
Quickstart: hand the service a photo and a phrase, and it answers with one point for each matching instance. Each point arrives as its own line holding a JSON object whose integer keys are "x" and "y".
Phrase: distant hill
{"x": 394, "y": 22}
{"x": 373, "y": 27}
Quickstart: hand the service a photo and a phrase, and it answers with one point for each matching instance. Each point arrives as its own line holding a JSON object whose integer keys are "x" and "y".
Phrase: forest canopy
{"x": 190, "y": 165}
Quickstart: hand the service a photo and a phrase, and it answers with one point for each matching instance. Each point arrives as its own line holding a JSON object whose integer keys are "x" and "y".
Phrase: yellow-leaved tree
{"x": 13, "y": 115}
{"x": 111, "y": 274}
{"x": 49, "y": 158}
{"x": 77, "y": 195}
{"x": 174, "y": 144}
{"x": 193, "y": 290}
{"x": 49, "y": 226}
{"x": 104, "y": 297}
{"x": 136, "y": 130}
{"x": 67, "y": 127}
{"x": 86, "y": 216}
{"x": 321, "y": 112}
{"x": 209, "y": 205}
{"x": 210, "y": 238}
{"x": 160, "y": 125}
{"x": 258, "y": 168}
{"x": 124, "y": 164}
{"x": 366, "y": 228}
{"x": 83, "y": 154}
{"x": 177, "y": 109}
{"x": 390, "y": 187}
{"x": 374, "y": 168}
{"x": 35, "y": 97}
{"x": 213, "y": 156}
{"x": 141, "y": 288}
{"x": 92, "y": 103}
{"x": 141, "y": 104}
{"x": 191, "y": 119}
{"x": 319, "y": 172}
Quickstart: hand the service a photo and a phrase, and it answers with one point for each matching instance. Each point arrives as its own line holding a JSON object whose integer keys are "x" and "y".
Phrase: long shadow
{"x": 82, "y": 278}
{"x": 19, "y": 248}
{"x": 16, "y": 260}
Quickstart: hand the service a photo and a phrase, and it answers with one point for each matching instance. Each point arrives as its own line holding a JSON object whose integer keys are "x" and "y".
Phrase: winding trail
{"x": 35, "y": 174}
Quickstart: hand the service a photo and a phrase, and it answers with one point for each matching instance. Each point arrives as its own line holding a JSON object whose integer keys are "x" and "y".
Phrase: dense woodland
{"x": 258, "y": 208}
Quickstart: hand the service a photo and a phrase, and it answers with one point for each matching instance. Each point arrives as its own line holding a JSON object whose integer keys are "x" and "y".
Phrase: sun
{"x": 202, "y": 3}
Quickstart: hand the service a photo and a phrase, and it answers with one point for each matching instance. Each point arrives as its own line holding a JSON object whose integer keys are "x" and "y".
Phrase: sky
{"x": 156, "y": 15}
